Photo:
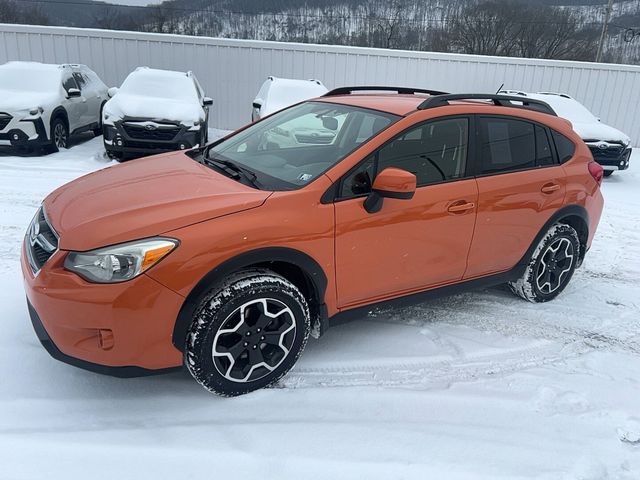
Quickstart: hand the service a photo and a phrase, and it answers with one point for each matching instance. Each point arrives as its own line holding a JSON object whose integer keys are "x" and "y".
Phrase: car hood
{"x": 12, "y": 100}
{"x": 600, "y": 132}
{"x": 159, "y": 109}
{"x": 143, "y": 198}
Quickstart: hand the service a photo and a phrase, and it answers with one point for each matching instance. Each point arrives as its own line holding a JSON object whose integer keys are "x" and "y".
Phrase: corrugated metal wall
{"x": 231, "y": 71}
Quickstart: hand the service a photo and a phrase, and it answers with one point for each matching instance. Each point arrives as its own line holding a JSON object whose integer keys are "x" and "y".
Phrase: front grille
{"x": 41, "y": 241}
{"x": 141, "y": 132}
{"x": 5, "y": 118}
{"x": 314, "y": 138}
{"x": 612, "y": 152}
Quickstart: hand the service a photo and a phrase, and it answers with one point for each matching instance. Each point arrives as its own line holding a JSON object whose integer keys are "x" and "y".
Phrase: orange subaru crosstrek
{"x": 226, "y": 258}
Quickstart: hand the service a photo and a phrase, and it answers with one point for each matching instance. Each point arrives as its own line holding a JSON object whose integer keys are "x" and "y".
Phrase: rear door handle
{"x": 550, "y": 188}
{"x": 459, "y": 207}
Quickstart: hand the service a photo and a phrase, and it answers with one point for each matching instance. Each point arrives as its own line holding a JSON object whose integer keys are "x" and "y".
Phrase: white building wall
{"x": 231, "y": 71}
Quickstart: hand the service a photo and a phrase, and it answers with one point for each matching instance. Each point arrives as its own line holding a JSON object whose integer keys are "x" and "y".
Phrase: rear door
{"x": 520, "y": 186}
{"x": 414, "y": 244}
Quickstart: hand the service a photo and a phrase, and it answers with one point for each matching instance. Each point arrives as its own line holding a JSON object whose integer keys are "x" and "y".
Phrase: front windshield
{"x": 291, "y": 148}
{"x": 166, "y": 85}
{"x": 25, "y": 79}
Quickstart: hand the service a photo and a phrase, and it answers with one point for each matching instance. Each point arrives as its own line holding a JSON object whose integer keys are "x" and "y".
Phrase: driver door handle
{"x": 550, "y": 188}
{"x": 460, "y": 207}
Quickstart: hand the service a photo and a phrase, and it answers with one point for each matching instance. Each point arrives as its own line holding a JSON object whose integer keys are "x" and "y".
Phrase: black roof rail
{"x": 501, "y": 100}
{"x": 400, "y": 90}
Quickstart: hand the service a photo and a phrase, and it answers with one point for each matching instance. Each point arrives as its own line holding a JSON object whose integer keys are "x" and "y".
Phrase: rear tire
{"x": 551, "y": 266}
{"x": 247, "y": 333}
{"x": 608, "y": 173}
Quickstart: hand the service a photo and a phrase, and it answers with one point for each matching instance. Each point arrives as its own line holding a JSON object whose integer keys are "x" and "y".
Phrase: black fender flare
{"x": 569, "y": 212}
{"x": 314, "y": 276}
{"x": 59, "y": 112}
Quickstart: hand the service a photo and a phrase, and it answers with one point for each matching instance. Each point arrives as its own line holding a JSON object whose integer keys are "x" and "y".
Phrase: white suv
{"x": 41, "y": 105}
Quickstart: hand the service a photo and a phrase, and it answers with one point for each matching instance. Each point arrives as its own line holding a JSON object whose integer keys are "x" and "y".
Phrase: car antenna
{"x": 499, "y": 88}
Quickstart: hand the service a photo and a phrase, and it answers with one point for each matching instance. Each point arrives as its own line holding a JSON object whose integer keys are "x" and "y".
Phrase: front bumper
{"x": 118, "y": 139}
{"x": 24, "y": 133}
{"x": 613, "y": 157}
{"x": 120, "y": 329}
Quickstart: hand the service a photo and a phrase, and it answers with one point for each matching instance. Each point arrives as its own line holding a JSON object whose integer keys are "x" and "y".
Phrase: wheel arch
{"x": 575, "y": 216}
{"x": 59, "y": 112}
{"x": 297, "y": 267}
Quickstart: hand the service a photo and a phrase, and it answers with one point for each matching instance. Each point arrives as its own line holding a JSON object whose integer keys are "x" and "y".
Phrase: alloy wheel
{"x": 555, "y": 264}
{"x": 254, "y": 340}
{"x": 60, "y": 135}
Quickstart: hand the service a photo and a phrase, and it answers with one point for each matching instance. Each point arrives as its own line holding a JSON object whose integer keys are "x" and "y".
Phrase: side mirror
{"x": 330, "y": 123}
{"x": 257, "y": 105}
{"x": 207, "y": 101}
{"x": 390, "y": 183}
{"x": 112, "y": 92}
{"x": 74, "y": 93}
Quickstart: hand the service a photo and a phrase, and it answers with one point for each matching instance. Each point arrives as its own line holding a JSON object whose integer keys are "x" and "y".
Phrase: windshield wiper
{"x": 232, "y": 169}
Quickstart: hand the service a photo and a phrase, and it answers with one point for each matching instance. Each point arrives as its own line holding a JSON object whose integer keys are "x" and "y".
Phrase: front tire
{"x": 247, "y": 333}
{"x": 551, "y": 266}
{"x": 608, "y": 173}
{"x": 59, "y": 135}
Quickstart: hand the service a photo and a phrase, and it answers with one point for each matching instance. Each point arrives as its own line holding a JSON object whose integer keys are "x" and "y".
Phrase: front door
{"x": 409, "y": 245}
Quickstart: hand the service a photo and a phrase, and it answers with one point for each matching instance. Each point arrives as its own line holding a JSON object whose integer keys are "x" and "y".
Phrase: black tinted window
{"x": 506, "y": 145}
{"x": 433, "y": 152}
{"x": 358, "y": 181}
{"x": 565, "y": 147}
{"x": 79, "y": 80}
{"x": 544, "y": 154}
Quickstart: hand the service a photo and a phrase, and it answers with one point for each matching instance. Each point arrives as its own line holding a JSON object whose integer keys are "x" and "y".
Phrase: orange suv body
{"x": 414, "y": 195}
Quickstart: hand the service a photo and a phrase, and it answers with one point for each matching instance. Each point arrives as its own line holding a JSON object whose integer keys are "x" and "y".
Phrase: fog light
{"x": 182, "y": 146}
{"x": 16, "y": 136}
{"x": 119, "y": 142}
{"x": 105, "y": 339}
{"x": 622, "y": 163}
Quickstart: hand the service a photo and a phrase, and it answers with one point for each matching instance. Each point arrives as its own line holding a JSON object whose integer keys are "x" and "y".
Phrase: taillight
{"x": 596, "y": 171}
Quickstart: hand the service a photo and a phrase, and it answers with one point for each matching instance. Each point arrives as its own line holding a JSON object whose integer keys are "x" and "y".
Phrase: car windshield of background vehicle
{"x": 160, "y": 85}
{"x": 21, "y": 80}
{"x": 291, "y": 148}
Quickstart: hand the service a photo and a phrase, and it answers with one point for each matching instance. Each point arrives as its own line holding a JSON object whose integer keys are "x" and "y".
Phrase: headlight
{"x": 31, "y": 113}
{"x": 119, "y": 263}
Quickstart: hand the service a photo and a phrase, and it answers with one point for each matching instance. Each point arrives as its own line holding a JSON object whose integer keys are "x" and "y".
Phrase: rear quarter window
{"x": 565, "y": 147}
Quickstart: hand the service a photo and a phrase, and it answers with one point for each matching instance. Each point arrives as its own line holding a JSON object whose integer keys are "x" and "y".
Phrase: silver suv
{"x": 41, "y": 105}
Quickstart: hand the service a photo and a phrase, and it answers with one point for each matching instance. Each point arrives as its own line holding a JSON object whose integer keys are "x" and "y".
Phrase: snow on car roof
{"x": 30, "y": 76}
{"x": 166, "y": 84}
{"x": 284, "y": 92}
{"x": 566, "y": 107}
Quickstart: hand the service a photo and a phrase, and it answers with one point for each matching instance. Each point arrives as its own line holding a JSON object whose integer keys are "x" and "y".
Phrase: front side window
{"x": 434, "y": 152}
{"x": 506, "y": 144}
{"x": 69, "y": 83}
{"x": 291, "y": 148}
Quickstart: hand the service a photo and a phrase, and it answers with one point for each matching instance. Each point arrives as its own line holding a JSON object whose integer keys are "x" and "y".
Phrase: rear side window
{"x": 565, "y": 147}
{"x": 506, "y": 145}
{"x": 544, "y": 154}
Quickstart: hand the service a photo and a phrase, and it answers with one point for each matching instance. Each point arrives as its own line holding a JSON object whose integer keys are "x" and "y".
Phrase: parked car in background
{"x": 41, "y": 105}
{"x": 610, "y": 147}
{"x": 278, "y": 93}
{"x": 226, "y": 258}
{"x": 155, "y": 111}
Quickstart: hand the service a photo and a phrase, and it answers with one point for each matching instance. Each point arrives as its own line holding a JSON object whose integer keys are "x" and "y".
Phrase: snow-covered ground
{"x": 476, "y": 386}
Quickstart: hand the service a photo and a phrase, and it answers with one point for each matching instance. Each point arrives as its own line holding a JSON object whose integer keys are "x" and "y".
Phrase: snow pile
{"x": 480, "y": 385}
